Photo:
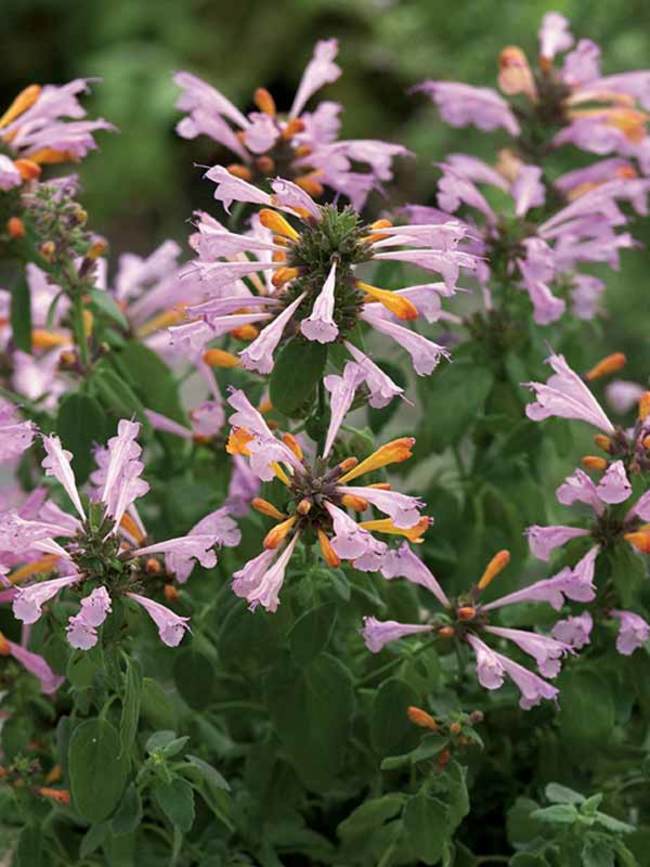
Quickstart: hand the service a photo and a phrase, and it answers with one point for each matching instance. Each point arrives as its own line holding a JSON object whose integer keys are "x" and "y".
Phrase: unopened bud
{"x": 290, "y": 441}
{"x": 421, "y": 718}
{"x": 170, "y": 592}
{"x": 446, "y": 632}
{"x": 515, "y": 75}
{"x": 348, "y": 464}
{"x": 29, "y": 170}
{"x": 153, "y": 566}
{"x": 455, "y": 728}
{"x": 15, "y": 228}
{"x": 266, "y": 165}
{"x": 61, "y": 796}
{"x": 220, "y": 358}
{"x": 357, "y": 504}
{"x": 68, "y": 359}
{"x": 5, "y": 649}
{"x": 603, "y": 442}
{"x": 284, "y": 275}
{"x": 293, "y": 127}
{"x": 467, "y": 612}
{"x": 593, "y": 462}
{"x": 237, "y": 170}
{"x": 609, "y": 364}
{"x": 278, "y": 533}
{"x": 48, "y": 250}
{"x": 54, "y": 775}
{"x": 310, "y": 184}
{"x": 304, "y": 506}
{"x": 99, "y": 247}
{"x": 645, "y": 442}
{"x": 80, "y": 215}
{"x": 639, "y": 540}
{"x": 443, "y": 759}
{"x": 265, "y": 508}
{"x": 245, "y": 332}
{"x": 329, "y": 554}
{"x": 476, "y": 717}
{"x": 264, "y": 101}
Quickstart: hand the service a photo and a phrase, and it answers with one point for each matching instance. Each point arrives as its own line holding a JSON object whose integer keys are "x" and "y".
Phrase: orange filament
{"x": 393, "y": 452}
{"x": 385, "y": 525}
{"x": 310, "y": 184}
{"x": 29, "y": 170}
{"x": 293, "y": 127}
{"x": 609, "y": 364}
{"x": 45, "y": 564}
{"x": 329, "y": 554}
{"x": 245, "y": 332}
{"x": 15, "y": 228}
{"x": 397, "y": 304}
{"x": 644, "y": 405}
{"x": 238, "y": 442}
{"x": 264, "y": 101}
{"x": 421, "y": 718}
{"x": 496, "y": 565}
{"x": 639, "y": 540}
{"x": 25, "y": 99}
{"x": 357, "y": 504}
{"x": 220, "y": 358}
{"x": 603, "y": 442}
{"x": 44, "y": 339}
{"x": 268, "y": 509}
{"x": 277, "y": 534}
{"x": 290, "y": 441}
{"x": 129, "y": 525}
{"x": 163, "y": 320}
{"x": 237, "y": 170}
{"x": 594, "y": 462}
{"x": 278, "y": 224}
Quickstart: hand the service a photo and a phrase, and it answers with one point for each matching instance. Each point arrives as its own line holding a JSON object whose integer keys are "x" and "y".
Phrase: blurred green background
{"x": 143, "y": 184}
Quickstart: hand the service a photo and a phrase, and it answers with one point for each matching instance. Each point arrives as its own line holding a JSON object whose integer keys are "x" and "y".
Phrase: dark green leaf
{"x": 104, "y": 303}
{"x": 370, "y": 816}
{"x": 587, "y": 712}
{"x": 81, "y": 423}
{"x": 93, "y": 839}
{"x": 211, "y": 775}
{"x": 94, "y": 749}
{"x": 176, "y": 800}
{"x": 131, "y": 706}
{"x": 21, "y": 315}
{"x": 195, "y": 678}
{"x": 298, "y": 368}
{"x": 311, "y": 633}
{"x": 425, "y": 827}
{"x": 156, "y": 706}
{"x": 391, "y": 731}
{"x": 129, "y": 814}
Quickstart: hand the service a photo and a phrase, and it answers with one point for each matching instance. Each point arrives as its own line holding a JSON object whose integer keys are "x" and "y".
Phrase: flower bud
{"x": 455, "y": 728}
{"x": 265, "y": 508}
{"x": 304, "y": 506}
{"x": 593, "y": 462}
{"x": 15, "y": 228}
{"x": 644, "y": 405}
{"x": 476, "y": 717}
{"x": 61, "y": 796}
{"x": 467, "y": 612}
{"x": 610, "y": 364}
{"x": 446, "y": 632}
{"x": 515, "y": 75}
{"x": 237, "y": 170}
{"x": 496, "y": 565}
{"x": 603, "y": 442}
{"x": 264, "y": 101}
{"x": 48, "y": 250}
{"x": 153, "y": 566}
{"x": 265, "y": 165}
{"x": 170, "y": 592}
{"x": 421, "y": 718}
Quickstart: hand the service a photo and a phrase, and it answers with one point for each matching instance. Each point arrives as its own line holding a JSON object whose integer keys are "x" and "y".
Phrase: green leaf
{"x": 311, "y": 709}
{"x": 93, "y": 839}
{"x": 391, "y": 731}
{"x": 97, "y": 774}
{"x": 129, "y": 814}
{"x": 81, "y": 668}
{"x": 29, "y": 850}
{"x": 131, "y": 706}
{"x": 526, "y": 859}
{"x": 558, "y": 794}
{"x": 158, "y": 740}
{"x": 560, "y": 814}
{"x": 195, "y": 677}
{"x": 104, "y": 303}
{"x": 425, "y": 827}
{"x": 612, "y": 824}
{"x": 298, "y": 368}
{"x": 176, "y": 800}
{"x": 370, "y": 815}
{"x": 596, "y": 853}
{"x": 209, "y": 774}
{"x": 311, "y": 633}
{"x": 151, "y": 379}
{"x": 21, "y": 315}
{"x": 452, "y": 400}
{"x": 115, "y": 394}
{"x": 156, "y": 706}
{"x": 81, "y": 423}
{"x": 587, "y": 712}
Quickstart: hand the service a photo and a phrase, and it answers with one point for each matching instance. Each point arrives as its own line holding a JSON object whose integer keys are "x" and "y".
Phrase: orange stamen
{"x": 290, "y": 441}
{"x": 238, "y": 442}
{"x": 277, "y": 534}
{"x": 329, "y": 554}
{"x": 237, "y": 170}
{"x": 397, "y": 304}
{"x": 594, "y": 462}
{"x": 44, "y": 564}
{"x": 278, "y": 224}
{"x": 220, "y": 358}
{"x": 609, "y": 364}
{"x": 268, "y": 509}
{"x": 496, "y": 565}
{"x": 264, "y": 101}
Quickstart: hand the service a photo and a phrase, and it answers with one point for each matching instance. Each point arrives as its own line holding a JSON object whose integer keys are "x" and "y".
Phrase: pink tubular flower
{"x": 574, "y": 631}
{"x": 28, "y": 601}
{"x": 547, "y": 652}
{"x": 171, "y": 627}
{"x": 403, "y": 562}
{"x": 15, "y": 435}
{"x": 217, "y": 528}
{"x": 492, "y": 668}
{"x": 554, "y": 35}
{"x": 304, "y": 141}
{"x": 82, "y": 627}
{"x": 266, "y": 591}
{"x": 43, "y": 125}
{"x": 377, "y": 633}
{"x": 342, "y": 390}
{"x": 633, "y": 631}
{"x": 461, "y": 105}
{"x": 565, "y": 395}
{"x": 34, "y": 664}
{"x": 352, "y": 542}
{"x": 544, "y": 540}
{"x": 299, "y": 277}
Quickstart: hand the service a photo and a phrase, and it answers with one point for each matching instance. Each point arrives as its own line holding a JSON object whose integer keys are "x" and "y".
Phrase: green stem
{"x": 79, "y": 331}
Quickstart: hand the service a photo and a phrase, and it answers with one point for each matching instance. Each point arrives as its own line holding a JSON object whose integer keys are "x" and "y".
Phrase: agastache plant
{"x": 241, "y": 529}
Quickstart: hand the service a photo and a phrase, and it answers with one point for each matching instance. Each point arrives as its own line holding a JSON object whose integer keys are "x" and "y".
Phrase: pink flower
{"x": 547, "y": 652}
{"x": 574, "y": 631}
{"x": 247, "y": 579}
{"x": 551, "y": 590}
{"x": 82, "y": 627}
{"x": 403, "y": 562}
{"x": 377, "y": 633}
{"x": 492, "y": 667}
{"x": 28, "y": 601}
{"x": 15, "y": 435}
{"x": 381, "y": 386}
{"x": 320, "y": 70}
{"x": 259, "y": 354}
{"x": 633, "y": 631}
{"x": 554, "y": 35}
{"x": 57, "y": 463}
{"x": 243, "y": 486}
{"x": 425, "y": 354}
{"x": 266, "y": 591}
{"x": 217, "y": 527}
{"x": 623, "y": 395}
{"x": 565, "y": 395}
{"x": 353, "y": 542}
{"x": 171, "y": 627}
{"x": 544, "y": 540}
{"x": 342, "y": 390}
{"x": 36, "y": 665}
{"x": 614, "y": 487}
{"x": 403, "y": 509}
{"x": 579, "y": 488}
{"x": 462, "y": 105}
{"x": 320, "y": 324}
